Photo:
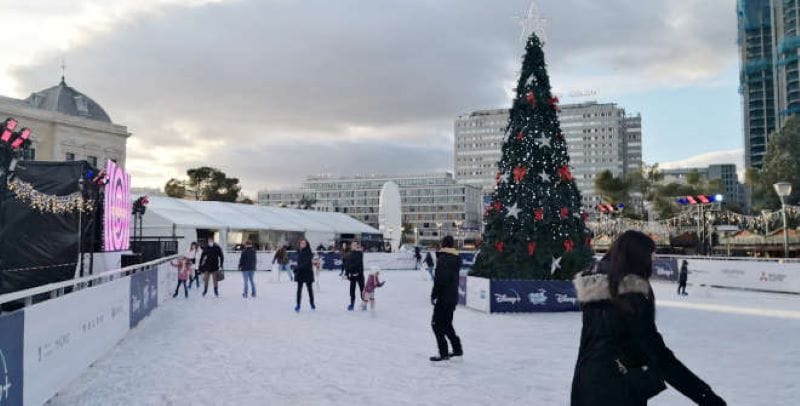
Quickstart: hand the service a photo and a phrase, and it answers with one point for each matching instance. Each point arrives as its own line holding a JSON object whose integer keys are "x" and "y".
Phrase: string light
{"x": 44, "y": 203}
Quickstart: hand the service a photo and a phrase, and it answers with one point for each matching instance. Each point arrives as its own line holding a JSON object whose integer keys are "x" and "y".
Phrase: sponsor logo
{"x": 565, "y": 298}
{"x": 663, "y": 271}
{"x": 503, "y": 298}
{"x": 337, "y": 262}
{"x": 772, "y": 277}
{"x": 538, "y": 298}
{"x": 5, "y": 380}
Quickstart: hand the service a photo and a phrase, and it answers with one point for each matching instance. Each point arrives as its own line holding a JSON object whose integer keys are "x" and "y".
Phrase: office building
{"x": 599, "y": 136}
{"x": 433, "y": 204}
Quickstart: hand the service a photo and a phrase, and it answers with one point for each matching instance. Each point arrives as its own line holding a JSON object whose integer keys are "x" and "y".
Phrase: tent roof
{"x": 237, "y": 216}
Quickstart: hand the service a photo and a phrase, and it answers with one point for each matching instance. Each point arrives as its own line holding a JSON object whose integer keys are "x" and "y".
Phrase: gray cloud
{"x": 271, "y": 91}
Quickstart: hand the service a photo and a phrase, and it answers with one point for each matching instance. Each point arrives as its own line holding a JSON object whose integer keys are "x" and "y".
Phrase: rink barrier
{"x": 519, "y": 296}
{"x": 46, "y": 345}
{"x": 332, "y": 260}
{"x": 764, "y": 275}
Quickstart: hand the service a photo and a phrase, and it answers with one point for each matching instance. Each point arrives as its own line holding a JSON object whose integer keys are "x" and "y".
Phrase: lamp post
{"x": 458, "y": 224}
{"x": 784, "y": 189}
{"x": 765, "y": 214}
{"x": 439, "y": 227}
{"x": 416, "y": 236}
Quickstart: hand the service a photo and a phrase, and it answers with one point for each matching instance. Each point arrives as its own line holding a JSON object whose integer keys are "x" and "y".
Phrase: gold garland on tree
{"x": 41, "y": 202}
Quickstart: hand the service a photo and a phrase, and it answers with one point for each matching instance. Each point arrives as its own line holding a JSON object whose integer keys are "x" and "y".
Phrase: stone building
{"x": 67, "y": 125}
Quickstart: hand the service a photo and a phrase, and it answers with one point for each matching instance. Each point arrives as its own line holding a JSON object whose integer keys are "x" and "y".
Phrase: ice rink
{"x": 232, "y": 351}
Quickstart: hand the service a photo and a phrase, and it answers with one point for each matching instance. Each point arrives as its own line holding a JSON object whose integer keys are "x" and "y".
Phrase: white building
{"x": 433, "y": 204}
{"x": 599, "y": 137}
{"x": 67, "y": 125}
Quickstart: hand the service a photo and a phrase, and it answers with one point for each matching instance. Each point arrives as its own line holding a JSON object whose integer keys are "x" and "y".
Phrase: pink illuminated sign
{"x": 117, "y": 207}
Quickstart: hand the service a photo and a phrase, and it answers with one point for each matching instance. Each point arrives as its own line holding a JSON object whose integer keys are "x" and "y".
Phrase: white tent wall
{"x": 276, "y": 226}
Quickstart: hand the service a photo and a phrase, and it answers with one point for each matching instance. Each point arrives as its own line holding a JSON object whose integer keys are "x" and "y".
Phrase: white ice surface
{"x": 232, "y": 351}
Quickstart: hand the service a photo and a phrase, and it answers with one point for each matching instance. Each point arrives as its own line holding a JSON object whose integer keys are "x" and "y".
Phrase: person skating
{"x": 444, "y": 298}
{"x": 247, "y": 264}
{"x": 194, "y": 274}
{"x": 622, "y": 358}
{"x": 184, "y": 269}
{"x": 429, "y": 264}
{"x": 373, "y": 282}
{"x": 355, "y": 272}
{"x": 282, "y": 258}
{"x": 303, "y": 274}
{"x": 683, "y": 277}
{"x": 210, "y": 263}
{"x": 345, "y": 255}
{"x": 417, "y": 258}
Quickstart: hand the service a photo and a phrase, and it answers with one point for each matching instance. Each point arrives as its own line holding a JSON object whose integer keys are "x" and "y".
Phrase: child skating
{"x": 373, "y": 282}
{"x": 184, "y": 266}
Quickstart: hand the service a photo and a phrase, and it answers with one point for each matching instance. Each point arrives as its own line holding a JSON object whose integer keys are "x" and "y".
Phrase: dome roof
{"x": 64, "y": 99}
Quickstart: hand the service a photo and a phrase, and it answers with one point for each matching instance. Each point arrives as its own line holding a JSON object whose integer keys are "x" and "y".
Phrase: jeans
{"x": 185, "y": 289}
{"x": 310, "y": 292}
{"x": 430, "y": 271}
{"x": 353, "y": 281}
{"x": 248, "y": 276}
{"x": 285, "y": 267}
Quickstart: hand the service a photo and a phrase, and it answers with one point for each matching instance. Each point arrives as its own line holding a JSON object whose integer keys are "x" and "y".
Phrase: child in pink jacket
{"x": 184, "y": 266}
{"x": 373, "y": 282}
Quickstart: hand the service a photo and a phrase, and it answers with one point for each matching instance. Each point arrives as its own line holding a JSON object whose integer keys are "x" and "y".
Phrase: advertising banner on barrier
{"x": 63, "y": 336}
{"x": 143, "y": 294}
{"x": 389, "y": 261}
{"x": 12, "y": 328}
{"x": 331, "y": 261}
{"x": 462, "y": 290}
{"x": 523, "y": 296}
{"x": 759, "y": 275}
{"x": 665, "y": 268}
{"x": 167, "y": 280}
{"x": 468, "y": 259}
{"x": 478, "y": 291}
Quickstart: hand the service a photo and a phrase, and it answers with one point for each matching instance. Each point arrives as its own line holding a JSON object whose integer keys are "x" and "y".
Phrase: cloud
{"x": 271, "y": 91}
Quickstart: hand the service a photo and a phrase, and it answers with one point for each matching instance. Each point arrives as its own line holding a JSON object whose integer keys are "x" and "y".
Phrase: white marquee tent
{"x": 229, "y": 221}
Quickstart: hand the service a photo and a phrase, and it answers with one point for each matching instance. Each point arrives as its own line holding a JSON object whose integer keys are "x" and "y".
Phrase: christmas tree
{"x": 534, "y": 225}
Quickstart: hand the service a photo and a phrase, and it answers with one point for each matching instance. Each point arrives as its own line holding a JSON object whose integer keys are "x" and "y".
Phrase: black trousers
{"x": 353, "y": 281}
{"x": 310, "y": 292}
{"x": 681, "y": 288}
{"x": 185, "y": 289}
{"x": 196, "y": 278}
{"x": 442, "y": 325}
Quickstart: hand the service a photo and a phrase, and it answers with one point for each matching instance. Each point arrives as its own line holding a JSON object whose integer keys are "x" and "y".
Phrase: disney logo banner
{"x": 11, "y": 350}
{"x": 524, "y": 296}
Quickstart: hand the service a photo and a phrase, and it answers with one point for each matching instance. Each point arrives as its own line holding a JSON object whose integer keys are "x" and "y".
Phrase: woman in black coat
{"x": 622, "y": 358}
{"x": 354, "y": 267}
{"x": 683, "y": 277}
{"x": 304, "y": 273}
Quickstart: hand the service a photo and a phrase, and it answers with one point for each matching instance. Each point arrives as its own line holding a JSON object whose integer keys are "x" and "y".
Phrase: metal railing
{"x": 61, "y": 288}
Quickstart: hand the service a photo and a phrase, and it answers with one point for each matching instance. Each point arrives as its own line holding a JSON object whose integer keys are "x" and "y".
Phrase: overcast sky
{"x": 273, "y": 90}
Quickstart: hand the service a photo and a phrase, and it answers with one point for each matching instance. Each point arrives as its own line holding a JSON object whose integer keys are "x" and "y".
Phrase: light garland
{"x": 44, "y": 203}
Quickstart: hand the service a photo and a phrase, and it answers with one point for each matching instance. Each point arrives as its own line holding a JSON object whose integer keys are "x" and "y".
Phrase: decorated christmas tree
{"x": 535, "y": 228}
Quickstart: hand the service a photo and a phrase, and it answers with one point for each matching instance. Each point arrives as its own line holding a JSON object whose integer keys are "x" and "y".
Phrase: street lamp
{"x": 784, "y": 189}
{"x": 439, "y": 227}
{"x": 416, "y": 236}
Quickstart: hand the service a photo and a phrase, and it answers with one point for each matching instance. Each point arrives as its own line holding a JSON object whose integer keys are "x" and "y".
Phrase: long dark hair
{"x": 631, "y": 254}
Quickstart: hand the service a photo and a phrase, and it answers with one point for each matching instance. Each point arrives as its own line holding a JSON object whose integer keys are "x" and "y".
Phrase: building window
{"x": 70, "y": 156}
{"x": 92, "y": 160}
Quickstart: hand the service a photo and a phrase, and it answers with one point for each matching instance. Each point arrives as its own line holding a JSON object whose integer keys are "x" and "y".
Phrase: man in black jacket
{"x": 210, "y": 263}
{"x": 444, "y": 298}
{"x": 247, "y": 264}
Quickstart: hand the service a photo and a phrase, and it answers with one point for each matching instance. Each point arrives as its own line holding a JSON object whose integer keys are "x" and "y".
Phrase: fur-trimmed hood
{"x": 594, "y": 287}
{"x": 451, "y": 251}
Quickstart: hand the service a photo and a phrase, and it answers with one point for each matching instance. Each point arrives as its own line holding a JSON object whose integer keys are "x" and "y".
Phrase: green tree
{"x": 534, "y": 222}
{"x": 206, "y": 184}
{"x": 175, "y": 188}
{"x": 612, "y": 189}
{"x": 306, "y": 203}
{"x": 781, "y": 163}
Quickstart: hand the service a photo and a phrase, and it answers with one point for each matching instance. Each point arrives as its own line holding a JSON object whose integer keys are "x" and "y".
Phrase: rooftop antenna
{"x": 532, "y": 22}
{"x": 63, "y": 71}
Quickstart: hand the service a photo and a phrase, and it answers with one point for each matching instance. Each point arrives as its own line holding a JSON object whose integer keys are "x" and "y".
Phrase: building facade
{"x": 769, "y": 51}
{"x": 67, "y": 125}
{"x": 432, "y": 204}
{"x": 600, "y": 136}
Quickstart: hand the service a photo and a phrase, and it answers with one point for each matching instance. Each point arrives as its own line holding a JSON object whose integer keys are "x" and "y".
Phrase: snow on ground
{"x": 232, "y": 351}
